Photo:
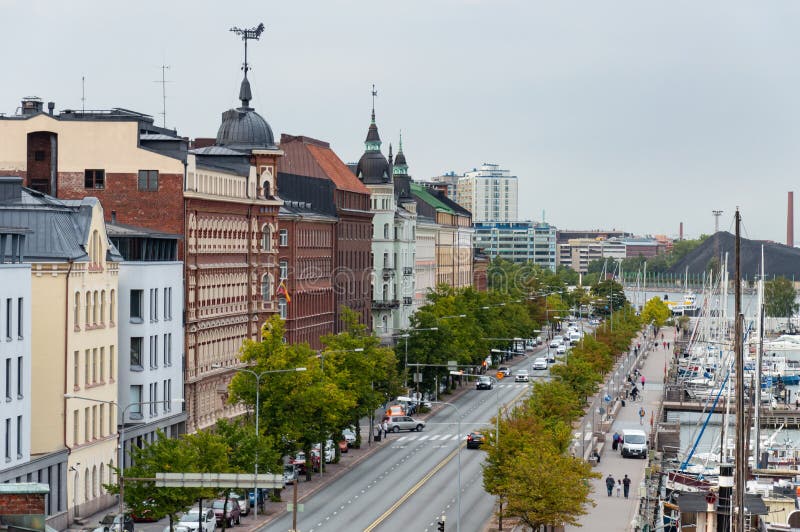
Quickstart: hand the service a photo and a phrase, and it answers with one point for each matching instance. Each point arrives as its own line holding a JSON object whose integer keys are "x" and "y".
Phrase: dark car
{"x": 111, "y": 523}
{"x": 484, "y": 383}
{"x": 475, "y": 440}
{"x": 228, "y": 513}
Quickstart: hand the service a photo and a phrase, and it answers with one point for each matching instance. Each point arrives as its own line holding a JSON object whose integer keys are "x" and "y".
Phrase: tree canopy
{"x": 780, "y": 298}
{"x": 657, "y": 311}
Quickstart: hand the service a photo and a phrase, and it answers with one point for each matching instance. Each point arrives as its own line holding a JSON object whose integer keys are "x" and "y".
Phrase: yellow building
{"x": 74, "y": 336}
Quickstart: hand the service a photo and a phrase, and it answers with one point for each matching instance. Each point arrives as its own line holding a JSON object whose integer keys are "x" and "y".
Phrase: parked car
{"x": 539, "y": 363}
{"x": 115, "y": 523}
{"x": 299, "y": 461}
{"x": 521, "y": 376}
{"x": 290, "y": 474}
{"x": 330, "y": 454}
{"x": 396, "y": 410}
{"x": 191, "y": 520}
{"x": 475, "y": 440}
{"x": 349, "y": 436}
{"x": 398, "y": 423}
{"x": 484, "y": 383}
{"x": 228, "y": 513}
{"x": 244, "y": 502}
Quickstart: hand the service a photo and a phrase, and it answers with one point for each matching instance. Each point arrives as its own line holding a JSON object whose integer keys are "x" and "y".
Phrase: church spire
{"x": 400, "y": 165}
{"x": 373, "y": 141}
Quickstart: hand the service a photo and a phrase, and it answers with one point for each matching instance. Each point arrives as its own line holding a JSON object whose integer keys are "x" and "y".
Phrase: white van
{"x": 634, "y": 443}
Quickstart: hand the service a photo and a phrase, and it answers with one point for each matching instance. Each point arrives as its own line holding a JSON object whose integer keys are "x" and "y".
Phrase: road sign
{"x": 459, "y": 372}
{"x": 452, "y": 365}
{"x": 417, "y": 377}
{"x": 217, "y": 480}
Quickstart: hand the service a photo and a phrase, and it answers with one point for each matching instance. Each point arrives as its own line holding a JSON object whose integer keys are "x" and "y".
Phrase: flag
{"x": 284, "y": 292}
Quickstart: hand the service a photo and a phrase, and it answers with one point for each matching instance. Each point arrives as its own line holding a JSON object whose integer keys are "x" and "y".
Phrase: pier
{"x": 788, "y": 417}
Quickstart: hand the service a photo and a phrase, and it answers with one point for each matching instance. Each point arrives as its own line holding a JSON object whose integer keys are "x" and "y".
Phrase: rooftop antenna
{"x": 248, "y": 34}
{"x": 716, "y": 214}
{"x": 83, "y": 94}
{"x": 163, "y": 82}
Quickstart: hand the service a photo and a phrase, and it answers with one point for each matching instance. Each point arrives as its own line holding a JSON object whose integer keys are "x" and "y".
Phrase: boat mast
{"x": 759, "y": 356}
{"x": 741, "y": 430}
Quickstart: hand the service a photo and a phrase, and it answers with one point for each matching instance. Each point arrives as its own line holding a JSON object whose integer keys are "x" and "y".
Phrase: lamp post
{"x": 258, "y": 402}
{"x": 406, "y": 335}
{"x": 121, "y": 436}
{"x": 458, "y": 442}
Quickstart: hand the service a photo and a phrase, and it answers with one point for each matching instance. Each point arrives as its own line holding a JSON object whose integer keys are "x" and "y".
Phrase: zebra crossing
{"x": 424, "y": 437}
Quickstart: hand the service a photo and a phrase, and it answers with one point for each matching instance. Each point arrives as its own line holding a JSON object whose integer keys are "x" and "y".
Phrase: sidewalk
{"x": 618, "y": 513}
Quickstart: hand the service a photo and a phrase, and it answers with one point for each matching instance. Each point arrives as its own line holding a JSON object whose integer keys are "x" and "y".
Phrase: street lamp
{"x": 406, "y": 335}
{"x": 460, "y": 445}
{"x": 121, "y": 436}
{"x": 258, "y": 402}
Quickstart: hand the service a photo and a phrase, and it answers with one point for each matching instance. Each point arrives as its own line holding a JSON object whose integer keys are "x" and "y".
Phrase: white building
{"x": 518, "y": 242}
{"x": 15, "y": 363}
{"x": 150, "y": 369}
{"x": 425, "y": 264}
{"x": 577, "y": 253}
{"x": 489, "y": 193}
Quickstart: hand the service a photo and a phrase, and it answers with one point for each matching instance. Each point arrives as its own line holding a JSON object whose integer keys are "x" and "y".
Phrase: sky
{"x": 634, "y": 115}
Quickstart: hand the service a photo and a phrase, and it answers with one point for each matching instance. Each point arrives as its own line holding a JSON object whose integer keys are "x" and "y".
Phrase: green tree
{"x": 657, "y": 311}
{"x": 780, "y": 298}
{"x": 612, "y": 295}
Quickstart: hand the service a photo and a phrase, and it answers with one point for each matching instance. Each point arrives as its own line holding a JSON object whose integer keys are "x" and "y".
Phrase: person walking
{"x": 385, "y": 427}
{"x": 619, "y": 487}
{"x": 610, "y": 482}
{"x": 641, "y": 379}
{"x": 641, "y": 415}
{"x": 626, "y": 485}
{"x": 615, "y": 441}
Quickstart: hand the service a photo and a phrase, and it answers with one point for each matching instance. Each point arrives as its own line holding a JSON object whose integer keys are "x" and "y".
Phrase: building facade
{"x": 577, "y": 253}
{"x": 425, "y": 263}
{"x": 311, "y": 172}
{"x": 522, "y": 242}
{"x": 74, "y": 287}
{"x": 305, "y": 273}
{"x": 489, "y": 194}
{"x": 150, "y": 365}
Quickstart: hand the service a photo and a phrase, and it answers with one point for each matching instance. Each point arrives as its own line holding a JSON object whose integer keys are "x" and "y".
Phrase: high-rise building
{"x": 489, "y": 193}
{"x": 532, "y": 242}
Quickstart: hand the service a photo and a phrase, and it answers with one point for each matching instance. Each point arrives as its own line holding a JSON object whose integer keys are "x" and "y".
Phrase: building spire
{"x": 400, "y": 148}
{"x": 374, "y": 93}
{"x": 247, "y": 34}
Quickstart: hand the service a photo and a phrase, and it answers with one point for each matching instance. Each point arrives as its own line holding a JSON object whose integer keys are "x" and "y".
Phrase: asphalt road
{"x": 412, "y": 479}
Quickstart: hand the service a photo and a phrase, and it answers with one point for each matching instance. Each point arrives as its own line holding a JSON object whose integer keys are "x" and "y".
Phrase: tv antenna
{"x": 83, "y": 94}
{"x": 163, "y": 82}
{"x": 248, "y": 34}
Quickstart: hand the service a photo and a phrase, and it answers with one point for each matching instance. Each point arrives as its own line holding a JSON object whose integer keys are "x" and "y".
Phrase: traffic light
{"x": 440, "y": 524}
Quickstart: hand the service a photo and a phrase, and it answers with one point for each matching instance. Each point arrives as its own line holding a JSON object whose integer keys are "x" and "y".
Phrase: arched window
{"x": 88, "y": 319}
{"x": 265, "y": 186}
{"x": 94, "y": 481}
{"x": 266, "y": 287}
{"x": 95, "y": 307}
{"x": 77, "y": 310}
{"x": 87, "y": 486}
{"x": 112, "y": 308}
{"x": 266, "y": 238}
{"x": 386, "y": 231}
{"x": 101, "y": 477}
{"x": 102, "y": 310}
{"x": 386, "y": 292}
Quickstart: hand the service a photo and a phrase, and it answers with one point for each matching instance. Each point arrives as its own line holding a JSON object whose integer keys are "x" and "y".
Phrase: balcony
{"x": 385, "y": 304}
{"x": 408, "y": 301}
{"x": 388, "y": 273}
{"x": 407, "y": 270}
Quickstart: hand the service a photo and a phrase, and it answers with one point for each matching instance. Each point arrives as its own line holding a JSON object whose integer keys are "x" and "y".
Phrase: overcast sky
{"x": 618, "y": 114}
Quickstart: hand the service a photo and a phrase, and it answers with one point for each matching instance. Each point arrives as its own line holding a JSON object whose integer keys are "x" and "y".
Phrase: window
{"x": 153, "y": 352}
{"x": 8, "y": 318}
{"x": 284, "y": 269}
{"x": 136, "y": 305}
{"x": 76, "y": 311}
{"x": 103, "y": 306}
{"x": 266, "y": 288}
{"x": 19, "y": 378}
{"x": 19, "y": 436}
{"x": 75, "y": 423}
{"x": 88, "y": 315}
{"x": 86, "y": 419}
{"x": 112, "y": 308}
{"x": 136, "y": 402}
{"x": 266, "y": 238}
{"x": 19, "y": 318}
{"x": 136, "y": 352}
{"x": 94, "y": 365}
{"x": 154, "y": 400}
{"x": 386, "y": 231}
{"x": 168, "y": 303}
{"x": 282, "y": 308}
{"x": 111, "y": 419}
{"x": 8, "y": 439}
{"x": 94, "y": 179}
{"x": 283, "y": 237}
{"x": 102, "y": 370}
{"x": 111, "y": 363}
{"x": 148, "y": 180}
{"x": 94, "y": 422}
{"x": 167, "y": 349}
{"x": 95, "y": 307}
{"x": 154, "y": 304}
{"x": 102, "y": 422}
{"x": 76, "y": 370}
{"x": 168, "y": 395}
{"x": 8, "y": 379}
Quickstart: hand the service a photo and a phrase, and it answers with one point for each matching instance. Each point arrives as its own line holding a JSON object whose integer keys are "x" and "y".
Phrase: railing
{"x": 407, "y": 270}
{"x": 385, "y": 304}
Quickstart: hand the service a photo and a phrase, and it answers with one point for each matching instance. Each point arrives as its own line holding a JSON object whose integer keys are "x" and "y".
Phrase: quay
{"x": 770, "y": 417}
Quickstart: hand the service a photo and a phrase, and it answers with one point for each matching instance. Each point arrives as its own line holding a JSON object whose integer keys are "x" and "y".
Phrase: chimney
{"x": 790, "y": 221}
{"x": 680, "y": 232}
{"x": 51, "y": 107}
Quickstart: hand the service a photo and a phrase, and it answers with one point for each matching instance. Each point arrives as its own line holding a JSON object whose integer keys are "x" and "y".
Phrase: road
{"x": 412, "y": 480}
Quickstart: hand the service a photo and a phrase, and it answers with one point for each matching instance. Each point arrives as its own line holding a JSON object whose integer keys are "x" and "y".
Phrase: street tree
{"x": 656, "y": 311}
{"x": 611, "y": 296}
{"x": 780, "y": 298}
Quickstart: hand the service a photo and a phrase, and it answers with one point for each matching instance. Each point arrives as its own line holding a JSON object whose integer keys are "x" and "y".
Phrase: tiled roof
{"x": 315, "y": 158}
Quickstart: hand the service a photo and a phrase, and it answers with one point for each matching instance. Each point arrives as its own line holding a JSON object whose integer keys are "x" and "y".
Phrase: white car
{"x": 190, "y": 519}
{"x": 539, "y": 363}
{"x": 521, "y": 376}
{"x": 561, "y": 349}
{"x": 349, "y": 436}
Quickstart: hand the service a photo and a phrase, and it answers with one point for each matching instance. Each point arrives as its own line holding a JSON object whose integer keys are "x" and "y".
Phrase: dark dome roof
{"x": 373, "y": 168}
{"x": 243, "y": 128}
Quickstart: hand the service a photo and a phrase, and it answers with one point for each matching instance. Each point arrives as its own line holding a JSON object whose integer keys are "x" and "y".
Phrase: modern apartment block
{"x": 74, "y": 275}
{"x": 577, "y": 253}
{"x": 524, "y": 242}
{"x": 150, "y": 324}
{"x": 489, "y": 193}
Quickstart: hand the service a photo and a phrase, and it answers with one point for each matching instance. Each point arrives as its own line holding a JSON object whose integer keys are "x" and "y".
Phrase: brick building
{"x": 305, "y": 266}
{"x": 311, "y": 172}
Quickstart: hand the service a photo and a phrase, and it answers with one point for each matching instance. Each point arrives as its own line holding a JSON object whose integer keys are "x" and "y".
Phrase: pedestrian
{"x": 634, "y": 392}
{"x": 615, "y": 441}
{"x": 610, "y": 482}
{"x": 638, "y": 346}
{"x": 626, "y": 485}
{"x": 385, "y": 427}
{"x": 619, "y": 487}
{"x": 797, "y": 402}
{"x": 641, "y": 415}
{"x": 641, "y": 379}
{"x": 668, "y": 345}
{"x": 595, "y": 454}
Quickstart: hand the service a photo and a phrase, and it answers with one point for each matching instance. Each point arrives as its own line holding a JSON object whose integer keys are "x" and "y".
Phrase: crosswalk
{"x": 423, "y": 437}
